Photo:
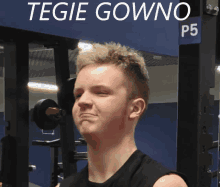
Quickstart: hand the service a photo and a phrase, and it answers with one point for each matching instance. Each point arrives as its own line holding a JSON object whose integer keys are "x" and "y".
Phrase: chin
{"x": 87, "y": 127}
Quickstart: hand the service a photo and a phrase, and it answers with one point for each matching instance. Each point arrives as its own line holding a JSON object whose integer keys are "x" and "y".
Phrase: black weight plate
{"x": 40, "y": 117}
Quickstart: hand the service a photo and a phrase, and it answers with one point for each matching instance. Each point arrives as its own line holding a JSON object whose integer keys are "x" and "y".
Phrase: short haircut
{"x": 130, "y": 61}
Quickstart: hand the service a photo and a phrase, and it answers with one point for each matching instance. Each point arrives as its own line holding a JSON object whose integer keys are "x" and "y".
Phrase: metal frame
{"x": 14, "y": 168}
{"x": 196, "y": 77}
{"x": 16, "y": 54}
{"x": 66, "y": 126}
{"x": 74, "y": 156}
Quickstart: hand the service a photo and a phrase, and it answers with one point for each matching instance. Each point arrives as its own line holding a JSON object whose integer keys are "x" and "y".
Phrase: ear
{"x": 136, "y": 108}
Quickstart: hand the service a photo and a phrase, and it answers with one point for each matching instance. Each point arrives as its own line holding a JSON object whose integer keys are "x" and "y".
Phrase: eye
{"x": 77, "y": 96}
{"x": 102, "y": 93}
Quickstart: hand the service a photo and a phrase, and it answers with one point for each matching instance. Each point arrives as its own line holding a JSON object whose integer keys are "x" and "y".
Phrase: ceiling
{"x": 41, "y": 61}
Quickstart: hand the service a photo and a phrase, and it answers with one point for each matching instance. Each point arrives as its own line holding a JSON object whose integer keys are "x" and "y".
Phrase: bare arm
{"x": 171, "y": 180}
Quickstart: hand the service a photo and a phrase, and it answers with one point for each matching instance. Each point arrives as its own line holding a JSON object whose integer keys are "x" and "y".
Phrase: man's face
{"x": 101, "y": 101}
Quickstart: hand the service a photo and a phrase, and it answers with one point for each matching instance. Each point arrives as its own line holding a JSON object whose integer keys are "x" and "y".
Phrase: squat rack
{"x": 196, "y": 77}
{"x": 15, "y": 169}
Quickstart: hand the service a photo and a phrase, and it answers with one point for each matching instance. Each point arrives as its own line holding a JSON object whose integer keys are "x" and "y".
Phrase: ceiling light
{"x": 42, "y": 86}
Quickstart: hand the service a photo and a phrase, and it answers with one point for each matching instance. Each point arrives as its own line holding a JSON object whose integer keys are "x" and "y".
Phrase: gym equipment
{"x": 16, "y": 61}
{"x": 9, "y": 153}
{"x": 32, "y": 168}
{"x": 196, "y": 77}
{"x": 56, "y": 143}
{"x": 68, "y": 99}
{"x": 8, "y": 162}
{"x": 73, "y": 156}
{"x": 46, "y": 114}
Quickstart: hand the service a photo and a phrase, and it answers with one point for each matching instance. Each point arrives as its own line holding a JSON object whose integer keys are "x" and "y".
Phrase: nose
{"x": 85, "y": 100}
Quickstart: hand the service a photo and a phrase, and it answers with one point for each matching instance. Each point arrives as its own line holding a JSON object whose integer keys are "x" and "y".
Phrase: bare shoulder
{"x": 171, "y": 180}
{"x": 58, "y": 185}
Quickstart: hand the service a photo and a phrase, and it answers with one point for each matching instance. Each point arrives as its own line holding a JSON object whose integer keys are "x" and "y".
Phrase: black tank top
{"x": 138, "y": 171}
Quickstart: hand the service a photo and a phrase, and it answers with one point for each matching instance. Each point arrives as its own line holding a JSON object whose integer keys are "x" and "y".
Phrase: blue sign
{"x": 148, "y": 26}
{"x": 190, "y": 31}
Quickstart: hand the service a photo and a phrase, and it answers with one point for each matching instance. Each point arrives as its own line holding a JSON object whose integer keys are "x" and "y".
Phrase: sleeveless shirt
{"x": 139, "y": 170}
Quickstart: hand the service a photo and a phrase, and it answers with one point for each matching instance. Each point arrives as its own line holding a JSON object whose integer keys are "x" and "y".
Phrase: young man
{"x": 111, "y": 95}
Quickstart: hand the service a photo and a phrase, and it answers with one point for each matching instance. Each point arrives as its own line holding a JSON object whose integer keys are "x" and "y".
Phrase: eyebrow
{"x": 93, "y": 87}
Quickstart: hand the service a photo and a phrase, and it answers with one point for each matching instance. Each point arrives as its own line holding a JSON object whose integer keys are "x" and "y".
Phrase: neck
{"x": 105, "y": 158}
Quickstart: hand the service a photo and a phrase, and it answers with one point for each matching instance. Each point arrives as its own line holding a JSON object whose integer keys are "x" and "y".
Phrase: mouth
{"x": 86, "y": 115}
